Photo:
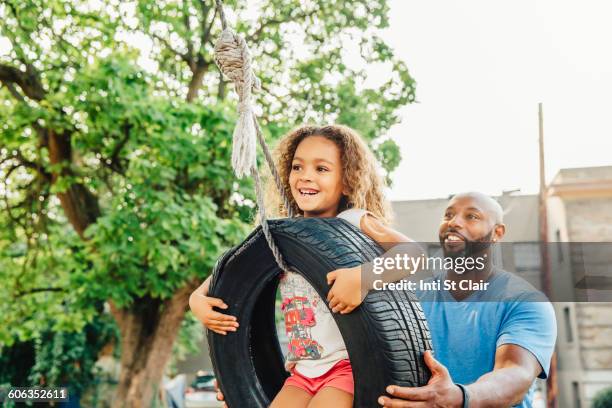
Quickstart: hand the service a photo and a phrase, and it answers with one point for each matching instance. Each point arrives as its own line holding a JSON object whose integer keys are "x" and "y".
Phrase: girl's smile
{"x": 308, "y": 191}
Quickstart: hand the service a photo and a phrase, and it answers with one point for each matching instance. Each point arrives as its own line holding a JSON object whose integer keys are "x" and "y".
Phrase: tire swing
{"x": 385, "y": 336}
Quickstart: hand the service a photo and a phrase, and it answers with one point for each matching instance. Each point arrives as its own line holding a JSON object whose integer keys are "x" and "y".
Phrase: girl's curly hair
{"x": 361, "y": 179}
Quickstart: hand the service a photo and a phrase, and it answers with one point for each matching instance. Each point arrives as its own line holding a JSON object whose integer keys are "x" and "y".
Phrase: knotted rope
{"x": 233, "y": 58}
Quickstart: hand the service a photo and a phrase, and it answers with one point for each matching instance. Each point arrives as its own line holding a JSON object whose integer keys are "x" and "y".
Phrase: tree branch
{"x": 115, "y": 162}
{"x": 32, "y": 165}
{"x": 11, "y": 169}
{"x": 206, "y": 28}
{"x": 11, "y": 6}
{"x": 14, "y": 91}
{"x": 188, "y": 27}
{"x": 28, "y": 81}
{"x": 221, "y": 87}
{"x": 256, "y": 36}
{"x": 80, "y": 205}
{"x": 9, "y": 208}
{"x": 119, "y": 146}
{"x": 37, "y": 290}
{"x": 61, "y": 41}
{"x": 165, "y": 42}
{"x": 104, "y": 176}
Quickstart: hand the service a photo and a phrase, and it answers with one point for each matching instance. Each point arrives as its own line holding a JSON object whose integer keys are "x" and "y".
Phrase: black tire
{"x": 385, "y": 336}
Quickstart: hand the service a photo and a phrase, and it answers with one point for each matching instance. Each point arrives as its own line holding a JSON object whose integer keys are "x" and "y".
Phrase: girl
{"x": 329, "y": 172}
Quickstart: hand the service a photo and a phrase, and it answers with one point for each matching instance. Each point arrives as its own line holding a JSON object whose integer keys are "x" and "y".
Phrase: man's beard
{"x": 471, "y": 248}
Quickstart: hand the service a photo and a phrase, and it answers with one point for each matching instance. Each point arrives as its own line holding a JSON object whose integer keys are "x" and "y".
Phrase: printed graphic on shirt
{"x": 299, "y": 304}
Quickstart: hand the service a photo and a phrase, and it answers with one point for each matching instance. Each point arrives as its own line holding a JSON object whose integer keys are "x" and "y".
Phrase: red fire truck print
{"x": 299, "y": 318}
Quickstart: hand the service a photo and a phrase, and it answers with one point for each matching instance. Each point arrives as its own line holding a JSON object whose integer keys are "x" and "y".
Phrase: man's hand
{"x": 345, "y": 294}
{"x": 440, "y": 391}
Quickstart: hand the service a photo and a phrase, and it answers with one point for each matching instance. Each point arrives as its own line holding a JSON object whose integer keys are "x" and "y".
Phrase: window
{"x": 569, "y": 334}
{"x": 576, "y": 392}
{"x": 559, "y": 246}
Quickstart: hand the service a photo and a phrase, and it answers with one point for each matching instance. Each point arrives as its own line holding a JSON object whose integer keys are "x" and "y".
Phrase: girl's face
{"x": 316, "y": 177}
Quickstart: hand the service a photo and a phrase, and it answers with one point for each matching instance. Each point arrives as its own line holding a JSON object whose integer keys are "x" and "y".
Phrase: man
{"x": 494, "y": 341}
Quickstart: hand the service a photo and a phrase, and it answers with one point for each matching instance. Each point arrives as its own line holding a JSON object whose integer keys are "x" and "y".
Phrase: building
{"x": 579, "y": 211}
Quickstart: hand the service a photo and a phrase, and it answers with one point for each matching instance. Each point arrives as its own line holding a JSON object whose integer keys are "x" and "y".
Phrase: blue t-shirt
{"x": 466, "y": 334}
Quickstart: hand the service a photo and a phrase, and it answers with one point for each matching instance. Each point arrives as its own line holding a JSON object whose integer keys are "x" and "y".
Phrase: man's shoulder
{"x": 526, "y": 306}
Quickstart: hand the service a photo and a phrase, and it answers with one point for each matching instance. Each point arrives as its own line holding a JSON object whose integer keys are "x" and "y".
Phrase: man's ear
{"x": 500, "y": 231}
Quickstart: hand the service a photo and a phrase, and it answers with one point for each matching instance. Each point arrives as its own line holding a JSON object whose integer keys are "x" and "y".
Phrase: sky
{"x": 481, "y": 68}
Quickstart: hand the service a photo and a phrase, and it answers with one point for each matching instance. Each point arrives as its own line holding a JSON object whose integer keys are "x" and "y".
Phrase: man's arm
{"x": 514, "y": 371}
{"x": 394, "y": 243}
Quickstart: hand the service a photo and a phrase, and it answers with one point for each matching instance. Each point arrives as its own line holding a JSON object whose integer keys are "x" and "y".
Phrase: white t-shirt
{"x": 315, "y": 343}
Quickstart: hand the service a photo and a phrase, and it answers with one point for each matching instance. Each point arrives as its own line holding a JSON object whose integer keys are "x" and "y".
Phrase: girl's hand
{"x": 220, "y": 396}
{"x": 346, "y": 293}
{"x": 202, "y": 308}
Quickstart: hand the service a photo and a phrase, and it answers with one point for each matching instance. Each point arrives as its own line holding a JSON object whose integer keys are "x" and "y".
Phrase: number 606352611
{"x": 23, "y": 394}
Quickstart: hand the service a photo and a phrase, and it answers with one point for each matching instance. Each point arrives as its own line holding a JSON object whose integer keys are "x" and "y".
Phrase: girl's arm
{"x": 202, "y": 307}
{"x": 350, "y": 285}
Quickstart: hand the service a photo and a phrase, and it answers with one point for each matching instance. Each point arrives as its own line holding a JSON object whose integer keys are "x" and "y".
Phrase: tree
{"x": 603, "y": 398}
{"x": 116, "y": 184}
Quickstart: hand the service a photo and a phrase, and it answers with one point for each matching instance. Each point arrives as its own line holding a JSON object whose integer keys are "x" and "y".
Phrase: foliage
{"x": 115, "y": 179}
{"x": 58, "y": 358}
{"x": 166, "y": 217}
{"x": 311, "y": 56}
{"x": 603, "y": 399}
{"x": 68, "y": 358}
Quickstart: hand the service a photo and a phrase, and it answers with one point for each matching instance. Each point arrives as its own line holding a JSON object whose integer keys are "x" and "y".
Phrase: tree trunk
{"x": 196, "y": 79}
{"x": 79, "y": 204}
{"x": 221, "y": 87}
{"x": 148, "y": 330}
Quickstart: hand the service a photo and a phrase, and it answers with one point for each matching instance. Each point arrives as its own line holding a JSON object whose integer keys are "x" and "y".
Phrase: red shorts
{"x": 339, "y": 376}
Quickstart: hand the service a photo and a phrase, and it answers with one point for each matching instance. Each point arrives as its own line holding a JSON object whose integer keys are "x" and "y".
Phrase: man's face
{"x": 467, "y": 227}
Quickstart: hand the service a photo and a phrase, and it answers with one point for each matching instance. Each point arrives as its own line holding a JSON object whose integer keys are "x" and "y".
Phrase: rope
{"x": 221, "y": 14}
{"x": 233, "y": 58}
{"x": 264, "y": 224}
{"x": 273, "y": 170}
